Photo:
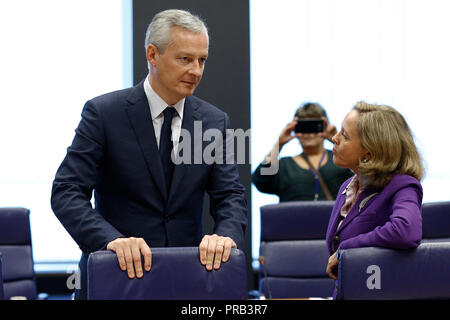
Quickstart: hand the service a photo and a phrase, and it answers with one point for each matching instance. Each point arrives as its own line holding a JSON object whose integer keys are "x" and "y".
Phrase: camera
{"x": 309, "y": 126}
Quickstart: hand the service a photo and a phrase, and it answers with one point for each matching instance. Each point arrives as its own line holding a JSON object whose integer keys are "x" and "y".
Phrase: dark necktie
{"x": 166, "y": 145}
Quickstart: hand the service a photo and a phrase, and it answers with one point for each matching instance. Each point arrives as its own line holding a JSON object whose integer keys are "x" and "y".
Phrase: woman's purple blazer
{"x": 390, "y": 218}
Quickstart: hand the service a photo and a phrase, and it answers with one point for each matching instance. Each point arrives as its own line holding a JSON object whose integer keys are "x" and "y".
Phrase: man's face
{"x": 176, "y": 73}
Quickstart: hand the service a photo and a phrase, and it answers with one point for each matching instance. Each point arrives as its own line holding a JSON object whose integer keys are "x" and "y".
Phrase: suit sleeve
{"x": 403, "y": 230}
{"x": 227, "y": 197}
{"x": 75, "y": 180}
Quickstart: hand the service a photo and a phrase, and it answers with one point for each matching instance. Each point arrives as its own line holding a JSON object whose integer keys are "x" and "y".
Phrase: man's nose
{"x": 196, "y": 69}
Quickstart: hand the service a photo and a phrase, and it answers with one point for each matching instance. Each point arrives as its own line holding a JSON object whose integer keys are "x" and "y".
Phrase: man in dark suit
{"x": 124, "y": 150}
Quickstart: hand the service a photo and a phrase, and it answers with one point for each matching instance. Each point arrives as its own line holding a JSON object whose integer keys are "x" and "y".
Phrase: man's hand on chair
{"x": 215, "y": 249}
{"x": 128, "y": 251}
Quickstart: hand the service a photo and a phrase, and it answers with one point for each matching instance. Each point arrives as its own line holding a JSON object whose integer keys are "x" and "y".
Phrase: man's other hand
{"x": 128, "y": 251}
{"x": 215, "y": 249}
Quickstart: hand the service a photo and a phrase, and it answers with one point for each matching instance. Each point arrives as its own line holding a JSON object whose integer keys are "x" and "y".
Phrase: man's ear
{"x": 152, "y": 54}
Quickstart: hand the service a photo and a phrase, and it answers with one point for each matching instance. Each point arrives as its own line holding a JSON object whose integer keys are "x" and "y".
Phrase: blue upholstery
{"x": 436, "y": 221}
{"x": 299, "y": 220}
{"x": 15, "y": 245}
{"x": 1, "y": 278}
{"x": 293, "y": 250}
{"x": 176, "y": 273}
{"x": 421, "y": 273}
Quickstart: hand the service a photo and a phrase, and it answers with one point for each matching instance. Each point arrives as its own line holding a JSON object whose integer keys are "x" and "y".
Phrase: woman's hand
{"x": 332, "y": 267}
{"x": 286, "y": 135}
{"x": 329, "y": 130}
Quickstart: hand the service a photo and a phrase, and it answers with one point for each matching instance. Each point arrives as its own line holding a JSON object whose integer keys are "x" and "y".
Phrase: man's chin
{"x": 188, "y": 92}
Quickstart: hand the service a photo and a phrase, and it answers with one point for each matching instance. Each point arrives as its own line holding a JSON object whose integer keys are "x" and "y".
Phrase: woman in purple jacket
{"x": 381, "y": 204}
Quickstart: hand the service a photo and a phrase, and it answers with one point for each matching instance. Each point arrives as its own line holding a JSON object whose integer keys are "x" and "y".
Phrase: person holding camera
{"x": 310, "y": 175}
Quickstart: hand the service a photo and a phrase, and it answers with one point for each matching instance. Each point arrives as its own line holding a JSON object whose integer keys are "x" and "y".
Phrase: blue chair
{"x": 381, "y": 273}
{"x": 1, "y": 278}
{"x": 15, "y": 245}
{"x": 293, "y": 251}
{"x": 436, "y": 221}
{"x": 176, "y": 273}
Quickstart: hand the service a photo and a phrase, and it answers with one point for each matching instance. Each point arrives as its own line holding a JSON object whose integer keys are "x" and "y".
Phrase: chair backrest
{"x": 436, "y": 221}
{"x": 381, "y": 273}
{"x": 293, "y": 250}
{"x": 295, "y": 220}
{"x": 176, "y": 273}
{"x": 1, "y": 278}
{"x": 15, "y": 245}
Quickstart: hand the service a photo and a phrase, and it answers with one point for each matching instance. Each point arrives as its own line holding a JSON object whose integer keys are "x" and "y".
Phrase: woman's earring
{"x": 365, "y": 160}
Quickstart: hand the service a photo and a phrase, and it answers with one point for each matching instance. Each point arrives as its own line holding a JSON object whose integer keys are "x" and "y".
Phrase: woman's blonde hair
{"x": 385, "y": 134}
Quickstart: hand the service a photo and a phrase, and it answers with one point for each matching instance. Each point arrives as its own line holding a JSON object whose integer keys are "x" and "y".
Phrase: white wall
{"x": 55, "y": 55}
{"x": 340, "y": 52}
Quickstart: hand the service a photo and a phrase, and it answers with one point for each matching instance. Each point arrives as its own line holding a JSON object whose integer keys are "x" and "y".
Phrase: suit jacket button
{"x": 335, "y": 243}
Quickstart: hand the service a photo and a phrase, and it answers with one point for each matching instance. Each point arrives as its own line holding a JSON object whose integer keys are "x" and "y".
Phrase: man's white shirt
{"x": 157, "y": 106}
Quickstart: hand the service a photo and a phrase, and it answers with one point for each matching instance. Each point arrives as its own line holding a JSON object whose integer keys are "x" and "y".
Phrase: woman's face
{"x": 347, "y": 150}
{"x": 310, "y": 140}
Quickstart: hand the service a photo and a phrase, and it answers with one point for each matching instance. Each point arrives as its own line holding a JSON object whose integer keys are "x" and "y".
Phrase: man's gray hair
{"x": 158, "y": 32}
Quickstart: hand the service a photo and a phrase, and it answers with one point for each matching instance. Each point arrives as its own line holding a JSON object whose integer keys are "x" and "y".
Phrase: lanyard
{"x": 316, "y": 195}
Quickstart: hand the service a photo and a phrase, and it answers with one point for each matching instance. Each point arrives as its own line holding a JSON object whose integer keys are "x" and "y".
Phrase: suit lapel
{"x": 355, "y": 210}
{"x": 190, "y": 115}
{"x": 141, "y": 120}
